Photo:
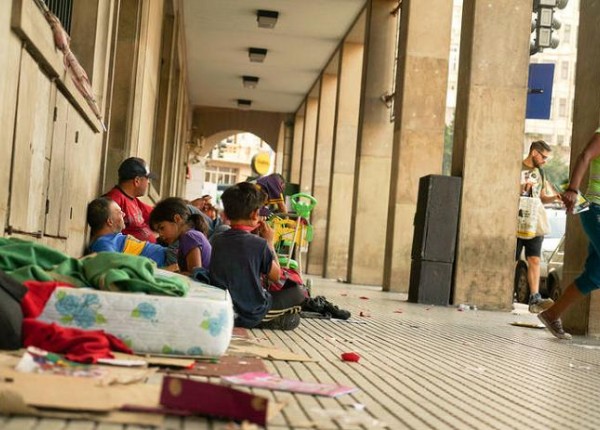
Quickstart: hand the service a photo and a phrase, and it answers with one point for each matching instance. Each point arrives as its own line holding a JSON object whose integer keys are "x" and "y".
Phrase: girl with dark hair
{"x": 172, "y": 220}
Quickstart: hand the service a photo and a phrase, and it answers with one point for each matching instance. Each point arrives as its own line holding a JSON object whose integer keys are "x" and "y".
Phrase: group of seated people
{"x": 238, "y": 257}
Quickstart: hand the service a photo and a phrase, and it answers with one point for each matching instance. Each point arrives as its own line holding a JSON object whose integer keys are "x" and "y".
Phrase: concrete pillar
{"x": 308, "y": 145}
{"x": 375, "y": 136}
{"x": 344, "y": 161}
{"x": 488, "y": 145}
{"x": 420, "y": 104}
{"x": 279, "y": 149}
{"x": 288, "y": 137}
{"x": 322, "y": 173}
{"x": 296, "y": 151}
{"x": 584, "y": 317}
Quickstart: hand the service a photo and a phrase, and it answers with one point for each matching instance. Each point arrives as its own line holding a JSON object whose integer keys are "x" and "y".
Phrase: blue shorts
{"x": 589, "y": 280}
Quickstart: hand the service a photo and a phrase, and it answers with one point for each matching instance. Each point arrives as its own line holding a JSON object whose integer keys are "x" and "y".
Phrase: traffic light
{"x": 544, "y": 24}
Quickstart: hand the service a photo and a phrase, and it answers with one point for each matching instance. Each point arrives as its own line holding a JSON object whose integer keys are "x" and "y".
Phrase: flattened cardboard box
{"x": 70, "y": 397}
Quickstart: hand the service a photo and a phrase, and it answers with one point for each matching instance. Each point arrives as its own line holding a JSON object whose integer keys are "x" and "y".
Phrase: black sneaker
{"x": 336, "y": 312}
{"x": 283, "y": 322}
{"x": 314, "y": 304}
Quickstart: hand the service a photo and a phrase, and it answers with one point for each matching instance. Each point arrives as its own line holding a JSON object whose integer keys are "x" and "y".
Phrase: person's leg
{"x": 287, "y": 298}
{"x": 588, "y": 281}
{"x": 285, "y": 310}
{"x": 568, "y": 297}
{"x": 533, "y": 251}
{"x": 533, "y": 275}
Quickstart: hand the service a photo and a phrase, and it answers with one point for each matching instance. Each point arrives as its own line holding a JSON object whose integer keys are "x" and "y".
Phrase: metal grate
{"x": 63, "y": 9}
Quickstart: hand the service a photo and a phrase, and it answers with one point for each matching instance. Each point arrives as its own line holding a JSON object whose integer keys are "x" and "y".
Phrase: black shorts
{"x": 533, "y": 247}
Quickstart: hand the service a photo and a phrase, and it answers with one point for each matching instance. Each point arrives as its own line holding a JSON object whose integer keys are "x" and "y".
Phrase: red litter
{"x": 363, "y": 298}
{"x": 350, "y": 356}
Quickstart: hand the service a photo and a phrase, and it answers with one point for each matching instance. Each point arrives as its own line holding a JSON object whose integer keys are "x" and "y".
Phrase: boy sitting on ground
{"x": 239, "y": 258}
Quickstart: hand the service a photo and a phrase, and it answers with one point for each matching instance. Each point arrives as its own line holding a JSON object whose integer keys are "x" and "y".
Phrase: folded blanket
{"x": 24, "y": 260}
{"x": 121, "y": 272}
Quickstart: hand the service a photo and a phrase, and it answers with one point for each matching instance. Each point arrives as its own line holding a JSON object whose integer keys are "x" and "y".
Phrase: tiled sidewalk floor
{"x": 422, "y": 367}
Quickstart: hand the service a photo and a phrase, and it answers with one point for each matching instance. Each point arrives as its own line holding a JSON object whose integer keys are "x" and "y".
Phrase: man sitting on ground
{"x": 134, "y": 178}
{"x": 105, "y": 218}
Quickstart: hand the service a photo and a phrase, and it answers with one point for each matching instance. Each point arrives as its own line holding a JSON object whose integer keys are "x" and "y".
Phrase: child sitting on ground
{"x": 172, "y": 220}
{"x": 239, "y": 258}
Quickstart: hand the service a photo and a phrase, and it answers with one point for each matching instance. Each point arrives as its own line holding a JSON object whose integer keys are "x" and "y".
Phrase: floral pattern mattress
{"x": 199, "y": 324}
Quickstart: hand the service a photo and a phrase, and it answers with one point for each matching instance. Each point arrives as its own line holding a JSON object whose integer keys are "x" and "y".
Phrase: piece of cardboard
{"x": 13, "y": 404}
{"x": 74, "y": 397}
{"x": 245, "y": 347}
{"x": 226, "y": 365}
{"x": 156, "y": 360}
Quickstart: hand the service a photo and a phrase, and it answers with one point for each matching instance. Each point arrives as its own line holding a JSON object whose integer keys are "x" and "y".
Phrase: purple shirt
{"x": 188, "y": 241}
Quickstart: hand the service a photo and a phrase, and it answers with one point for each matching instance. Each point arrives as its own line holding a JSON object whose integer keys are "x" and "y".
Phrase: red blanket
{"x": 84, "y": 346}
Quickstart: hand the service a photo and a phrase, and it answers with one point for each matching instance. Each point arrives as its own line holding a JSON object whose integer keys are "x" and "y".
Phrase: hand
{"x": 265, "y": 231}
{"x": 569, "y": 198}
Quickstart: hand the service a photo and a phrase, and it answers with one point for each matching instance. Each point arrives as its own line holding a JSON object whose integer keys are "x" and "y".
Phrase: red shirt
{"x": 137, "y": 214}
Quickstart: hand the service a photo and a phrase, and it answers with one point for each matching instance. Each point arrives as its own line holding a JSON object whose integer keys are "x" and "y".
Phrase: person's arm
{"x": 548, "y": 194}
{"x": 267, "y": 233}
{"x": 282, "y": 207}
{"x": 590, "y": 152}
{"x": 193, "y": 259}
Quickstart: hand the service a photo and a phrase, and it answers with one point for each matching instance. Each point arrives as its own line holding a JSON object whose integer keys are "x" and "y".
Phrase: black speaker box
{"x": 436, "y": 218}
{"x": 430, "y": 282}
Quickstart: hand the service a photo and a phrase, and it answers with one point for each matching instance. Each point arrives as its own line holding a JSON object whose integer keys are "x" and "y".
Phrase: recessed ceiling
{"x": 219, "y": 33}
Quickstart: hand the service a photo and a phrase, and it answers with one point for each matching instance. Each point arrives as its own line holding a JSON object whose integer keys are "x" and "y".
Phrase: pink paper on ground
{"x": 273, "y": 382}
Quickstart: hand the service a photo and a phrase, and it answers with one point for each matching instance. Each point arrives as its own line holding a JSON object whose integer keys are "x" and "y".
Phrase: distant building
{"x": 228, "y": 163}
{"x": 556, "y": 130}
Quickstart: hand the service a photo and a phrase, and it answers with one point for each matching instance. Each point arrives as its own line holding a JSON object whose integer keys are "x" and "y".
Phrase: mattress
{"x": 200, "y": 323}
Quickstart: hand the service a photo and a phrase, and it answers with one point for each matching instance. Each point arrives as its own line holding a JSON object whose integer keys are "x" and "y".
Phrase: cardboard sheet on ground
{"x": 59, "y": 396}
{"x": 156, "y": 360}
{"x": 242, "y": 347}
{"x": 226, "y": 365}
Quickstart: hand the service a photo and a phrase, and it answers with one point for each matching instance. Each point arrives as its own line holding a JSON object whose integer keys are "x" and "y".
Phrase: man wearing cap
{"x": 134, "y": 177}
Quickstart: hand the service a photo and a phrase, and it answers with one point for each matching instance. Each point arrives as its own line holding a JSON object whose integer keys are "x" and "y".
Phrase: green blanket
{"x": 24, "y": 260}
{"x": 122, "y": 272}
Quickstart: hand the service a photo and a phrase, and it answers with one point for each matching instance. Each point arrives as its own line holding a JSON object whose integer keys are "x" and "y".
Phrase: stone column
{"x": 288, "y": 136}
{"x": 296, "y": 159}
{"x": 322, "y": 172}
{"x": 488, "y": 145}
{"x": 420, "y": 103}
{"x": 583, "y": 317}
{"x": 308, "y": 145}
{"x": 344, "y": 161}
{"x": 375, "y": 136}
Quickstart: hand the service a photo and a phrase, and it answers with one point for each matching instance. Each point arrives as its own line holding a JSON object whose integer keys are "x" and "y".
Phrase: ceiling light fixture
{"x": 266, "y": 18}
{"x": 250, "y": 81}
{"x": 257, "y": 55}
{"x": 244, "y": 104}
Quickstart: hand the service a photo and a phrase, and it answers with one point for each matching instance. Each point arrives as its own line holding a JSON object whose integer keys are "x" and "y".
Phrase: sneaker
{"x": 284, "y": 322}
{"x": 336, "y": 312}
{"x": 555, "y": 327}
{"x": 314, "y": 304}
{"x": 537, "y": 304}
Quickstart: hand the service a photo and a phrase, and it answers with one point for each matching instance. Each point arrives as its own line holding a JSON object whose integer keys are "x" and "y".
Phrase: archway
{"x": 224, "y": 159}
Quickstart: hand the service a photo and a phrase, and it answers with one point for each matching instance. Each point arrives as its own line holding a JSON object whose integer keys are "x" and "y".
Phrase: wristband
{"x": 573, "y": 190}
